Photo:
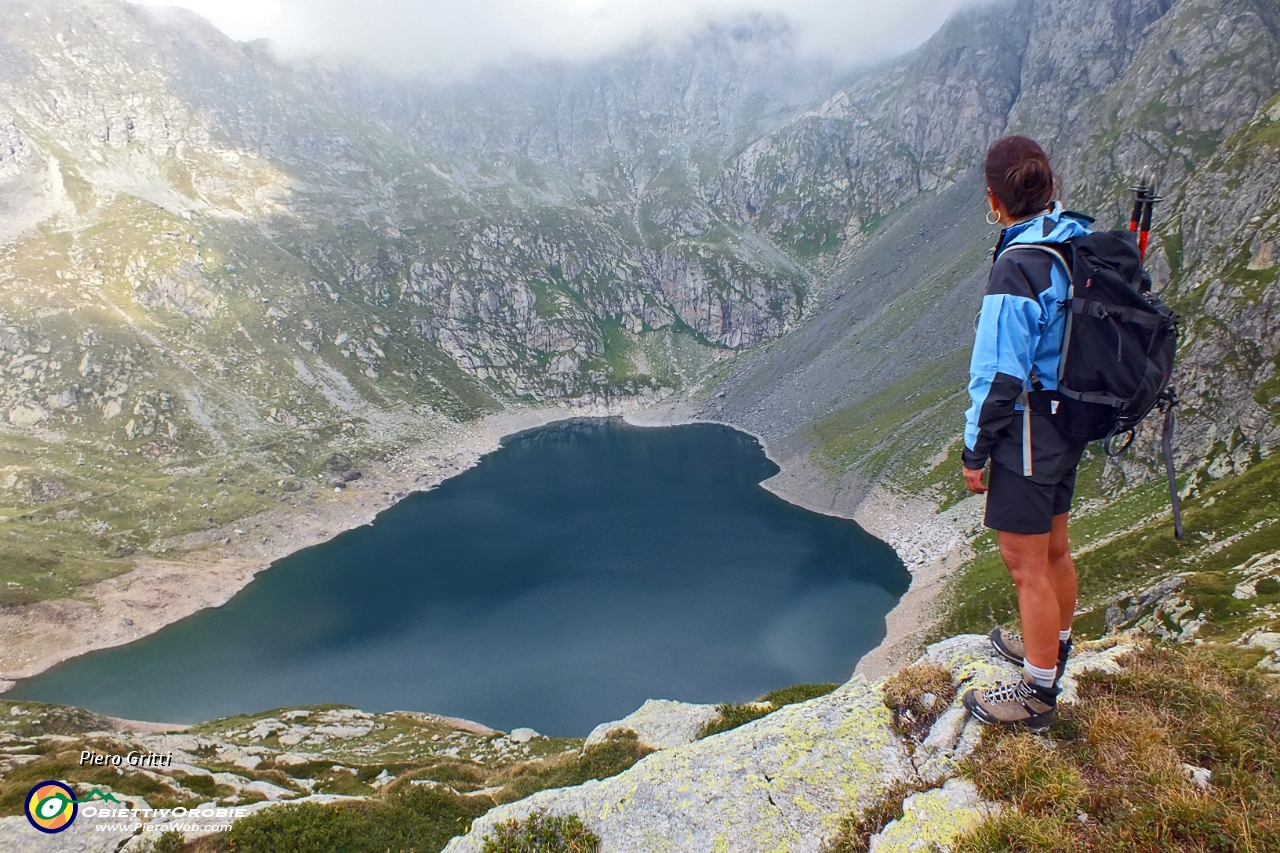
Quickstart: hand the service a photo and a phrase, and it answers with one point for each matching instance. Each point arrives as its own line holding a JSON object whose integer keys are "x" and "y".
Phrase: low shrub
{"x": 731, "y": 715}
{"x": 168, "y": 842}
{"x": 619, "y": 751}
{"x": 798, "y": 693}
{"x": 916, "y": 695}
{"x": 542, "y": 833}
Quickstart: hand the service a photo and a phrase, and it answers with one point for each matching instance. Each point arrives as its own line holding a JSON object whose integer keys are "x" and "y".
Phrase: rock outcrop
{"x": 658, "y": 724}
{"x": 785, "y": 781}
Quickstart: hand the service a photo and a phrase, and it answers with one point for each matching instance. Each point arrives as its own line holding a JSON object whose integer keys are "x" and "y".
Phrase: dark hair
{"x": 1018, "y": 172}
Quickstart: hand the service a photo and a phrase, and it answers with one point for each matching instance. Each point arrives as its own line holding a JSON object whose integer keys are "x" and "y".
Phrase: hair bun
{"x": 1018, "y": 172}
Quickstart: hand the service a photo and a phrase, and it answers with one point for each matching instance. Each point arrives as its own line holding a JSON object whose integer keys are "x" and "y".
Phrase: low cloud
{"x": 452, "y": 37}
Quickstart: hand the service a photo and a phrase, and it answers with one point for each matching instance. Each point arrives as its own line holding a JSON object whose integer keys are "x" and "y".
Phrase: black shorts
{"x": 1016, "y": 504}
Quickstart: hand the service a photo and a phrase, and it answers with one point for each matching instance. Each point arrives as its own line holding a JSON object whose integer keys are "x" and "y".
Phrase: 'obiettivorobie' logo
{"x": 52, "y": 806}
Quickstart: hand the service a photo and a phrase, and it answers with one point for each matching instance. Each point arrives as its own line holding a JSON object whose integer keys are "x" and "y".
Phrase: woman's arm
{"x": 1002, "y": 354}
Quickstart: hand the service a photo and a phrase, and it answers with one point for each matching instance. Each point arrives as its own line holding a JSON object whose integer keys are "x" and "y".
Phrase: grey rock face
{"x": 1187, "y": 88}
{"x": 659, "y": 724}
{"x": 17, "y": 836}
{"x": 600, "y": 231}
{"x": 785, "y": 781}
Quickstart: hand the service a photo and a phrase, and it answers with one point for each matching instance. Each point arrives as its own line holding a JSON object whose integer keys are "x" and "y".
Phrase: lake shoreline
{"x": 158, "y": 592}
{"x": 931, "y": 545}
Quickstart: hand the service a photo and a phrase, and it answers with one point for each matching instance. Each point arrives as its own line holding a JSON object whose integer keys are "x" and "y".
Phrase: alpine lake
{"x": 576, "y": 572}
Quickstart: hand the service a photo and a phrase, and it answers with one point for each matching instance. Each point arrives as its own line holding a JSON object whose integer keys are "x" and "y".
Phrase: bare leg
{"x": 1062, "y": 572}
{"x": 1027, "y": 557}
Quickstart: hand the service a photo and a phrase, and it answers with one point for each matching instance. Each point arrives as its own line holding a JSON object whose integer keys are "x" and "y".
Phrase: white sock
{"x": 1064, "y": 636}
{"x": 1039, "y": 675}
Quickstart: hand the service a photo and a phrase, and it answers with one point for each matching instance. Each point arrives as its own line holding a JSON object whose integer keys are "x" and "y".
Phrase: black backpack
{"x": 1118, "y": 349}
{"x": 1119, "y": 343}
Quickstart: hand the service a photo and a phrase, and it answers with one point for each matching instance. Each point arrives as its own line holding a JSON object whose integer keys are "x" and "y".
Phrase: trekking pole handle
{"x": 1139, "y": 191}
{"x": 1144, "y": 233}
{"x": 1136, "y": 216}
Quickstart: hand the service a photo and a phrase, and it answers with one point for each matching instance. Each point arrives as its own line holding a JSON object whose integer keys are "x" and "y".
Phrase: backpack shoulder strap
{"x": 1043, "y": 247}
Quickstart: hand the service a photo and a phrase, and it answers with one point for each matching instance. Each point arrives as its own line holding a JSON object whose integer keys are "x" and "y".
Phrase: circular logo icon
{"x": 51, "y": 806}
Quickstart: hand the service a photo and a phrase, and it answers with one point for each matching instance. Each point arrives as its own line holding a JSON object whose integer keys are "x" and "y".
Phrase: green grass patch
{"x": 897, "y": 430}
{"x": 542, "y": 833}
{"x": 798, "y": 693}
{"x": 421, "y": 818}
{"x": 1110, "y": 560}
{"x": 731, "y": 715}
{"x": 618, "y": 752}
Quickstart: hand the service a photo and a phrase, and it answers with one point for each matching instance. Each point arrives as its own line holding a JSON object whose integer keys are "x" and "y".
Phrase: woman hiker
{"x": 1032, "y": 467}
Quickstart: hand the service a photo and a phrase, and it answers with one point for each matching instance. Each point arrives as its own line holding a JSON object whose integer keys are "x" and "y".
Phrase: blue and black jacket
{"x": 1018, "y": 349}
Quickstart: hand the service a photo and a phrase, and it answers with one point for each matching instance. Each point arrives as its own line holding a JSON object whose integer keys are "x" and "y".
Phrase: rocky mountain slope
{"x": 1188, "y": 88}
{"x": 786, "y": 781}
{"x": 227, "y": 283}
{"x": 210, "y": 254}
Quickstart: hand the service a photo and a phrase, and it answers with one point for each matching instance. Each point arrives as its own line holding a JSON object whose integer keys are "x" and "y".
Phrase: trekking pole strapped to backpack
{"x": 1168, "y": 402}
{"x": 1144, "y": 202}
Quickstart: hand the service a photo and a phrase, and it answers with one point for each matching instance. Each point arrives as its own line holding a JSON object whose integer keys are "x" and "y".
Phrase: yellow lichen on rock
{"x": 785, "y": 782}
{"x": 932, "y": 820}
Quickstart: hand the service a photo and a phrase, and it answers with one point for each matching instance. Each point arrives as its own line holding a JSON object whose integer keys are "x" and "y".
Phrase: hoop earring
{"x": 996, "y": 220}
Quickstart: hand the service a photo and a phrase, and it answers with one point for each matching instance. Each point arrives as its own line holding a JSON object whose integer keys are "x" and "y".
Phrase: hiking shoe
{"x": 1020, "y": 703}
{"x": 1011, "y": 647}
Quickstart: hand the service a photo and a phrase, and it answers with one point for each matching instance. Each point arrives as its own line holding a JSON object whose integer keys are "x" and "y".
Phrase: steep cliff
{"x": 218, "y": 268}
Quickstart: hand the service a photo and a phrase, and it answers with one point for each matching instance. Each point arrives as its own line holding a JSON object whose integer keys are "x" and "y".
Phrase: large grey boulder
{"x": 783, "y": 783}
{"x": 659, "y": 724}
{"x": 780, "y": 783}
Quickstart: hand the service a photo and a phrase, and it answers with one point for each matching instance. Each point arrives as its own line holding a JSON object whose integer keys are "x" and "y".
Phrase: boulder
{"x": 1128, "y": 607}
{"x": 781, "y": 782}
{"x": 27, "y": 415}
{"x": 337, "y": 464}
{"x": 1266, "y": 640}
{"x": 932, "y": 820}
{"x": 1269, "y": 642}
{"x": 266, "y": 789}
{"x": 784, "y": 782}
{"x": 17, "y": 836}
{"x": 342, "y": 732}
{"x": 659, "y": 724}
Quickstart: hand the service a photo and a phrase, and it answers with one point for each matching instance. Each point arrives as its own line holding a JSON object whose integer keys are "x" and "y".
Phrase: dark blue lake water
{"x": 576, "y": 572}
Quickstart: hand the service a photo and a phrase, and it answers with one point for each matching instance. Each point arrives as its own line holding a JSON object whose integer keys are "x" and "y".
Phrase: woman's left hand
{"x": 973, "y": 480}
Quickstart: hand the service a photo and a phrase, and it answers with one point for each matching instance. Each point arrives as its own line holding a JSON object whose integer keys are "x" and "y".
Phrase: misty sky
{"x": 453, "y": 36}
